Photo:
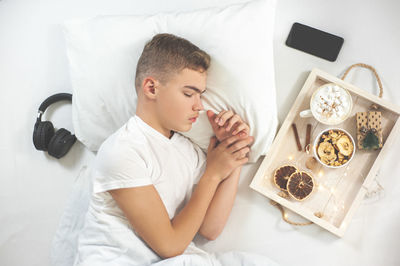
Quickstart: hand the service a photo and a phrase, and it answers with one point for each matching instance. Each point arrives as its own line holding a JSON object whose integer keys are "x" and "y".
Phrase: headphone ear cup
{"x": 42, "y": 134}
{"x": 61, "y": 143}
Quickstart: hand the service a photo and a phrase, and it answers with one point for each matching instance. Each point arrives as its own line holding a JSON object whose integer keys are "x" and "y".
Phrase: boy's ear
{"x": 150, "y": 87}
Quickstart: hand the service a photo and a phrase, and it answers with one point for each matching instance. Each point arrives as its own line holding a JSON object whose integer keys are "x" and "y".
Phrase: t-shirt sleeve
{"x": 123, "y": 169}
{"x": 200, "y": 164}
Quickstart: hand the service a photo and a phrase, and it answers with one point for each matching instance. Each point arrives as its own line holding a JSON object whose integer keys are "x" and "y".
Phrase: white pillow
{"x": 103, "y": 53}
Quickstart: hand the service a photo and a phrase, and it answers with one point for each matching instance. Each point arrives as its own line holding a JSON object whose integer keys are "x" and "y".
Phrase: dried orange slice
{"x": 282, "y": 174}
{"x": 300, "y": 185}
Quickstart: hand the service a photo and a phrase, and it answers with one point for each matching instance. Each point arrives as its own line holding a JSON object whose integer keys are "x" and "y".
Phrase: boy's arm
{"x": 146, "y": 212}
{"x": 224, "y": 125}
{"x": 220, "y": 207}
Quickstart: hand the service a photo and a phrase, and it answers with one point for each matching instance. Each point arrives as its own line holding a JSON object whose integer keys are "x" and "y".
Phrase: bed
{"x": 255, "y": 225}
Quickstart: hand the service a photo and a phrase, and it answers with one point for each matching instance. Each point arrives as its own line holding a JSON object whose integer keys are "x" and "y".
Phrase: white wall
{"x": 34, "y": 187}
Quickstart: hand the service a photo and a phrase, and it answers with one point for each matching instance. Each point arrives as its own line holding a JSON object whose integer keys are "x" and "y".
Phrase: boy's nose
{"x": 198, "y": 106}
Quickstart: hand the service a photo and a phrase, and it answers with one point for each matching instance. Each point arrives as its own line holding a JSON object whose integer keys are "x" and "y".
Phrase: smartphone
{"x": 314, "y": 41}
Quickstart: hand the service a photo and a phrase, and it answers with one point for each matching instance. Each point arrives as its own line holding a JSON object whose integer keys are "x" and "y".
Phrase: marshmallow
{"x": 331, "y": 103}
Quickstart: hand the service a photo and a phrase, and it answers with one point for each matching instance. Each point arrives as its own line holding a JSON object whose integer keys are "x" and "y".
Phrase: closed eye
{"x": 188, "y": 95}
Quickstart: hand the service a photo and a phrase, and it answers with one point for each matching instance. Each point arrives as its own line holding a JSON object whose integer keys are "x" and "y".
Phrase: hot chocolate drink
{"x": 330, "y": 104}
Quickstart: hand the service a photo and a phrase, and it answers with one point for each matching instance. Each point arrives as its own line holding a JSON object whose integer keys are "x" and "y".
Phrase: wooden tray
{"x": 338, "y": 192}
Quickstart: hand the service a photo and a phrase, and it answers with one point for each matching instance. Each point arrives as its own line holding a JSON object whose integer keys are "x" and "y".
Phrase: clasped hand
{"x": 229, "y": 148}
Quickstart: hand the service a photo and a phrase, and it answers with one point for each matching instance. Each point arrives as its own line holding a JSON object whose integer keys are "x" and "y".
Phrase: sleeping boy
{"x": 153, "y": 189}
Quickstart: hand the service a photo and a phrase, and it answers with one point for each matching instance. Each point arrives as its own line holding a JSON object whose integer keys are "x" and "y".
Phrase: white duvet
{"x": 64, "y": 246}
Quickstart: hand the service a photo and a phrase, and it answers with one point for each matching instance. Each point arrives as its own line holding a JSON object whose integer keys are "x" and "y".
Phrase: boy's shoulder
{"x": 126, "y": 140}
{"x": 131, "y": 142}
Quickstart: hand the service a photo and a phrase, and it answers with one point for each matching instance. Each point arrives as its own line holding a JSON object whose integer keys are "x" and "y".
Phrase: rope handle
{"x": 370, "y": 68}
{"x": 285, "y": 217}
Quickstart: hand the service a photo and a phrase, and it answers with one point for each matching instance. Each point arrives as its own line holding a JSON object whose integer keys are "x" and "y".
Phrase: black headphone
{"x": 58, "y": 143}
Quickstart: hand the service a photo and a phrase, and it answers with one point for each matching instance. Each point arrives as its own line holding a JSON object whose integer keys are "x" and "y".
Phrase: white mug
{"x": 330, "y": 104}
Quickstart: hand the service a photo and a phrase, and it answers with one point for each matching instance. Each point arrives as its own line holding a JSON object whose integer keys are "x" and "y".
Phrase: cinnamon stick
{"x": 308, "y": 136}
{"x": 296, "y": 135}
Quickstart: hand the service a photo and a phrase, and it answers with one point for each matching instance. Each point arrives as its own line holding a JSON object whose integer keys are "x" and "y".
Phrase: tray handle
{"x": 285, "y": 216}
{"x": 378, "y": 79}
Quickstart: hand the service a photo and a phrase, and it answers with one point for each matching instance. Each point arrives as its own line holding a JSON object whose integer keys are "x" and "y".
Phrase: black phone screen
{"x": 314, "y": 41}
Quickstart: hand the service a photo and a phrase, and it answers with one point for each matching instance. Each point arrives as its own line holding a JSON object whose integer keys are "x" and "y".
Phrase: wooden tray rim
{"x": 256, "y": 183}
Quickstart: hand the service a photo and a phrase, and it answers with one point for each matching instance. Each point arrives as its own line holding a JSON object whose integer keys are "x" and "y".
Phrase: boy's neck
{"x": 150, "y": 121}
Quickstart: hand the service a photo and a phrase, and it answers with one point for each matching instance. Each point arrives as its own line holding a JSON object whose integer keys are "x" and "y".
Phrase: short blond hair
{"x": 167, "y": 54}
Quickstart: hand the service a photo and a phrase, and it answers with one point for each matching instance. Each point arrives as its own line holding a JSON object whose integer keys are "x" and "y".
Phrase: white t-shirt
{"x": 135, "y": 155}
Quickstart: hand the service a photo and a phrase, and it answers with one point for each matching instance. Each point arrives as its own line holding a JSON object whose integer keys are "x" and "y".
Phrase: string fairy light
{"x": 337, "y": 206}
{"x": 322, "y": 188}
{"x": 331, "y": 206}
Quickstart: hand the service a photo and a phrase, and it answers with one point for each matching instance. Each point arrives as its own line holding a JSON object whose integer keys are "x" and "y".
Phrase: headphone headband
{"x": 45, "y": 138}
{"x": 53, "y": 99}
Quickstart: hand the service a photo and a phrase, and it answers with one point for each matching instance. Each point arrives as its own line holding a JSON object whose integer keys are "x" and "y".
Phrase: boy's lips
{"x": 193, "y": 119}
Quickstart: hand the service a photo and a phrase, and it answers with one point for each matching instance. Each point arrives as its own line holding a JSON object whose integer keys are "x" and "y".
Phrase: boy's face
{"x": 179, "y": 100}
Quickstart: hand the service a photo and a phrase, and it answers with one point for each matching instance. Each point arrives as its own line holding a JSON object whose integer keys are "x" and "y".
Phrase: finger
{"x": 224, "y": 117}
{"x": 242, "y": 161}
{"x": 233, "y": 120}
{"x": 211, "y": 118}
{"x": 238, "y": 145}
{"x": 218, "y": 116}
{"x": 243, "y": 127}
{"x": 227, "y": 142}
{"x": 210, "y": 114}
{"x": 241, "y": 153}
{"x": 211, "y": 145}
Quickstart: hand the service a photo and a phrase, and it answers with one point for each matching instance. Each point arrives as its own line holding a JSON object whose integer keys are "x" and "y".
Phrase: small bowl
{"x": 317, "y": 140}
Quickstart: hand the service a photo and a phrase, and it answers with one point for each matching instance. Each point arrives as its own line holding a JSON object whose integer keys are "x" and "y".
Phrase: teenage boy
{"x": 153, "y": 189}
